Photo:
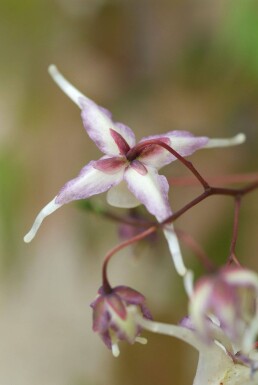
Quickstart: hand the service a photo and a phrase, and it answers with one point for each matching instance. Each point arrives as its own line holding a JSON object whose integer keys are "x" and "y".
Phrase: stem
{"x": 237, "y": 193}
{"x": 106, "y": 284}
{"x": 224, "y": 179}
{"x": 136, "y": 151}
{"x": 232, "y": 256}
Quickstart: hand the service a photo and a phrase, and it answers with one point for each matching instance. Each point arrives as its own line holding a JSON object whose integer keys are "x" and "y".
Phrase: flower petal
{"x": 183, "y": 142}
{"x": 120, "y": 196}
{"x": 89, "y": 182}
{"x": 110, "y": 165}
{"x": 100, "y": 128}
{"x": 96, "y": 120}
{"x": 234, "y": 141}
{"x": 151, "y": 190}
{"x": 47, "y": 210}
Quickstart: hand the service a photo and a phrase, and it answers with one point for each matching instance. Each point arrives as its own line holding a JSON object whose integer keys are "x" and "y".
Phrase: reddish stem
{"x": 106, "y": 284}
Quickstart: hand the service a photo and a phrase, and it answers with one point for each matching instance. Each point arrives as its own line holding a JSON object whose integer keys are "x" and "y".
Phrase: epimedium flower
{"x": 114, "y": 316}
{"x": 129, "y": 172}
{"x": 218, "y": 363}
{"x": 230, "y": 300}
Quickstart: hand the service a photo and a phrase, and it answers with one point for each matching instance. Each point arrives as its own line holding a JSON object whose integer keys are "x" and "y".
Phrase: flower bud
{"x": 114, "y": 316}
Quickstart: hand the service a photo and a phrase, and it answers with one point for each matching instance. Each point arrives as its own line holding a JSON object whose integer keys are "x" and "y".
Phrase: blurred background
{"x": 159, "y": 66}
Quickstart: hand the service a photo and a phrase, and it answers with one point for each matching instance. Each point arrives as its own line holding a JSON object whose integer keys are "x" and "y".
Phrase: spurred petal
{"x": 47, "y": 210}
{"x": 97, "y": 120}
{"x": 234, "y": 141}
{"x": 99, "y": 125}
{"x": 183, "y": 142}
{"x": 89, "y": 182}
{"x": 151, "y": 190}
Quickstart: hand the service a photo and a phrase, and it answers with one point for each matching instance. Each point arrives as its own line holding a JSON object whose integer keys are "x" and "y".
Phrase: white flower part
{"x": 234, "y": 141}
{"x": 115, "y": 349}
{"x": 120, "y": 196}
{"x": 72, "y": 92}
{"x": 47, "y": 210}
{"x": 215, "y": 366}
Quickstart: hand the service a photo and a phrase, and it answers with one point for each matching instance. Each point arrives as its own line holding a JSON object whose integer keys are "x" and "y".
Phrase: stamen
{"x": 115, "y": 350}
{"x": 235, "y": 140}
{"x": 47, "y": 210}
{"x": 72, "y": 92}
{"x": 175, "y": 249}
{"x": 141, "y": 340}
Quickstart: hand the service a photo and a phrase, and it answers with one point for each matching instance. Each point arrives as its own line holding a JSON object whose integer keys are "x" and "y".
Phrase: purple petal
{"x": 98, "y": 124}
{"x": 110, "y": 165}
{"x": 183, "y": 142}
{"x": 117, "y": 305}
{"x": 101, "y": 318}
{"x": 151, "y": 190}
{"x": 130, "y": 296}
{"x": 89, "y": 182}
{"x": 120, "y": 142}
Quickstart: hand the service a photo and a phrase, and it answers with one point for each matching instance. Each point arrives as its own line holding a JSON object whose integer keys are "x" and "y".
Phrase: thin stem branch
{"x": 136, "y": 151}
{"x": 119, "y": 247}
{"x": 220, "y": 179}
{"x": 232, "y": 255}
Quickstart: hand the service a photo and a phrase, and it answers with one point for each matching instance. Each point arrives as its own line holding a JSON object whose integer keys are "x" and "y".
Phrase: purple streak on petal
{"x": 89, "y": 182}
{"x": 97, "y": 122}
{"x": 121, "y": 143}
{"x": 110, "y": 165}
{"x": 139, "y": 167}
{"x": 151, "y": 190}
{"x": 183, "y": 142}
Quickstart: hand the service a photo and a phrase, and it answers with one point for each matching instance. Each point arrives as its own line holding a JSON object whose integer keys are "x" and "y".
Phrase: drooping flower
{"x": 218, "y": 363}
{"x": 229, "y": 299}
{"x": 114, "y": 316}
{"x": 128, "y": 174}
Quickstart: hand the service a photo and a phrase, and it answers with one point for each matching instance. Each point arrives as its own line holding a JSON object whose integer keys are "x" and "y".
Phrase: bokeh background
{"x": 158, "y": 65}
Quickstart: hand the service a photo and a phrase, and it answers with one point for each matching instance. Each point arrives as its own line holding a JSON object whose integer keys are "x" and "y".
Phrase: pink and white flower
{"x": 219, "y": 363}
{"x": 228, "y": 299}
{"x": 130, "y": 176}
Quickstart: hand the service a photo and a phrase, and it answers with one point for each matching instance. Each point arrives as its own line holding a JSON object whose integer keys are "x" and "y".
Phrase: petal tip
{"x": 52, "y": 70}
{"x": 28, "y": 237}
{"x": 240, "y": 138}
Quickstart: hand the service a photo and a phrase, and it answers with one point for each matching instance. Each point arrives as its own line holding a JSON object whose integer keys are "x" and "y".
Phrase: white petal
{"x": 120, "y": 196}
{"x": 72, "y": 92}
{"x": 47, "y": 210}
{"x": 151, "y": 189}
{"x": 97, "y": 120}
{"x": 235, "y": 140}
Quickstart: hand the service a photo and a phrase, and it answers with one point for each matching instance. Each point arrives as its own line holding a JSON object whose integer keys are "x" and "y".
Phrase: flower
{"x": 130, "y": 175}
{"x": 114, "y": 315}
{"x": 230, "y": 300}
{"x": 218, "y": 363}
